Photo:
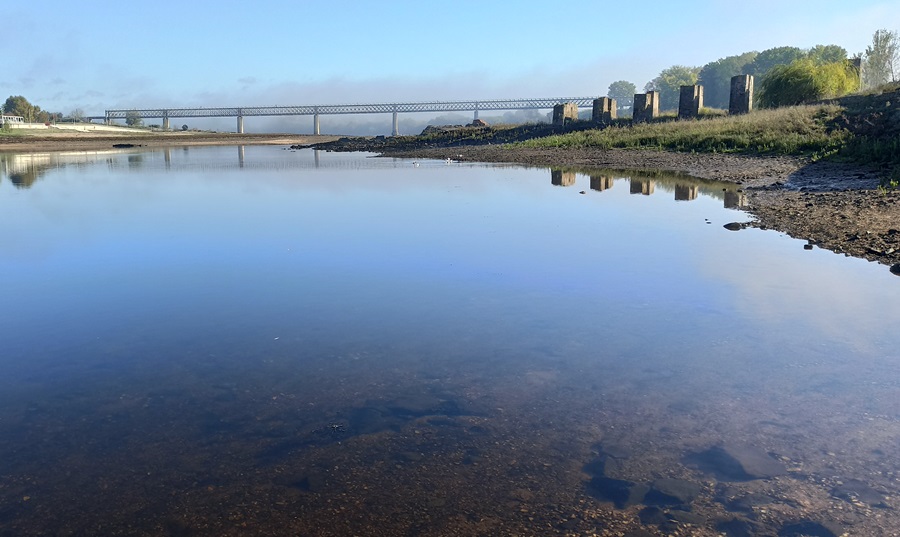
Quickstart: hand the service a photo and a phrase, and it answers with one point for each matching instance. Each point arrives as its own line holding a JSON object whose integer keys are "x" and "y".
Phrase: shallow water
{"x": 255, "y": 341}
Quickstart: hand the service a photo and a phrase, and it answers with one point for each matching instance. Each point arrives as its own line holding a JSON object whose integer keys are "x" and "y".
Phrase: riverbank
{"x": 68, "y": 140}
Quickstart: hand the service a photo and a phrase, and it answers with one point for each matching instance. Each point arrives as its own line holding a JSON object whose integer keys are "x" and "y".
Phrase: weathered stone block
{"x": 741, "y": 94}
{"x": 690, "y": 102}
{"x": 604, "y": 110}
{"x": 565, "y": 112}
{"x": 646, "y": 107}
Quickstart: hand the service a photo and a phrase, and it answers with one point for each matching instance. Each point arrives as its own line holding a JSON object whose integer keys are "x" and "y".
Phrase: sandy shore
{"x": 833, "y": 206}
{"x": 50, "y": 140}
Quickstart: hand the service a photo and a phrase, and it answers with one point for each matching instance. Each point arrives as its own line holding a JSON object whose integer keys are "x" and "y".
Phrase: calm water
{"x": 254, "y": 341}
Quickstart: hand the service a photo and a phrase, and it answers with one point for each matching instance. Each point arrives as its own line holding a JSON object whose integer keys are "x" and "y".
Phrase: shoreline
{"x": 833, "y": 206}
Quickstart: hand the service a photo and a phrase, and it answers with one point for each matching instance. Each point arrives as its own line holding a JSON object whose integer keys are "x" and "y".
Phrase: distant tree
{"x": 716, "y": 78}
{"x": 623, "y": 92}
{"x": 882, "y": 59}
{"x": 77, "y": 115}
{"x": 184, "y": 127}
{"x": 133, "y": 118}
{"x": 769, "y": 58}
{"x": 827, "y": 54}
{"x": 19, "y": 106}
{"x": 669, "y": 83}
{"x": 804, "y": 81}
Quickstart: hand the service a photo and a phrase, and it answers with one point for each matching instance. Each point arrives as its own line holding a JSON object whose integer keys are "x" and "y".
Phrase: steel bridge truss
{"x": 330, "y": 109}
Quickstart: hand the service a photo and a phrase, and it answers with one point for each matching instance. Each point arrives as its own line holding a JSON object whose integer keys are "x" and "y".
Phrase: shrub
{"x": 805, "y": 81}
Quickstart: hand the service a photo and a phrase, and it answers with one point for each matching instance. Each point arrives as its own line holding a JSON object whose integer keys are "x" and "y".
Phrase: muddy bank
{"x": 834, "y": 206}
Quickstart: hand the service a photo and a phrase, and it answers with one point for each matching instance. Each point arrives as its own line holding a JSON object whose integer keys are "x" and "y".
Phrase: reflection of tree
{"x": 24, "y": 179}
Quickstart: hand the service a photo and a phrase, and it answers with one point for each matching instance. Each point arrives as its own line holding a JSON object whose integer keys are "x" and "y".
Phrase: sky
{"x": 100, "y": 54}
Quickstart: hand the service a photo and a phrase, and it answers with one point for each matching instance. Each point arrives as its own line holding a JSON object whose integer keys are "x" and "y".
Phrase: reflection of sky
{"x": 403, "y": 252}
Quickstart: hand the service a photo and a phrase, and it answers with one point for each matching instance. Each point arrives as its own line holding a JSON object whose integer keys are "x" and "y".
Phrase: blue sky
{"x": 103, "y": 54}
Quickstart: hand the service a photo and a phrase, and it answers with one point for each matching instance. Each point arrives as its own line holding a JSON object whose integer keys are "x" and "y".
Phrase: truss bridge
{"x": 165, "y": 114}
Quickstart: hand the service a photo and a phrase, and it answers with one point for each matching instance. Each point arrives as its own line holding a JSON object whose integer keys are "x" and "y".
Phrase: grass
{"x": 794, "y": 130}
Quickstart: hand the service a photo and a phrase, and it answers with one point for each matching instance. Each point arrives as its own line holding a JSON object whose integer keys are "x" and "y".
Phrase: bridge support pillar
{"x": 396, "y": 130}
{"x": 316, "y": 129}
{"x": 741, "y": 101}
{"x": 690, "y": 102}
{"x": 240, "y": 124}
{"x": 646, "y": 107}
{"x": 165, "y": 123}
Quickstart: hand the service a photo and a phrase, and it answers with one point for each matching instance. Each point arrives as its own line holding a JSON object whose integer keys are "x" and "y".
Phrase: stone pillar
{"x": 646, "y": 107}
{"x": 396, "y": 129}
{"x": 741, "y": 94}
{"x": 690, "y": 102}
{"x": 316, "y": 129}
{"x": 604, "y": 110}
{"x": 166, "y": 122}
{"x": 561, "y": 178}
{"x": 565, "y": 112}
{"x": 240, "y": 124}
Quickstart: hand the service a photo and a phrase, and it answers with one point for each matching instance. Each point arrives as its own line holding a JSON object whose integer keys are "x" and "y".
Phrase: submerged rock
{"x": 672, "y": 492}
{"x": 736, "y": 462}
{"x": 620, "y": 492}
{"x": 808, "y": 528}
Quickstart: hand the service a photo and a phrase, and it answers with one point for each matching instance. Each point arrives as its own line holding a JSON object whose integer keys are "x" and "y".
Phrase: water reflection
{"x": 562, "y": 178}
{"x": 378, "y": 351}
{"x": 642, "y": 186}
{"x": 601, "y": 182}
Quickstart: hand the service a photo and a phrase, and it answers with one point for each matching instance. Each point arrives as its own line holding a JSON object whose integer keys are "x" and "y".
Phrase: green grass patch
{"x": 795, "y": 130}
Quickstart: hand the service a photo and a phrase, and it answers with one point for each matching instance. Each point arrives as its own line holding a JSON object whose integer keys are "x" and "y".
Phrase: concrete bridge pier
{"x": 166, "y": 122}
{"x": 476, "y": 110}
{"x": 396, "y": 130}
{"x": 240, "y": 124}
{"x": 316, "y": 129}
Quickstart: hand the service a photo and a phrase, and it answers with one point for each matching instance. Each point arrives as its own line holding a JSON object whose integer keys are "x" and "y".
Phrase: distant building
{"x": 11, "y": 119}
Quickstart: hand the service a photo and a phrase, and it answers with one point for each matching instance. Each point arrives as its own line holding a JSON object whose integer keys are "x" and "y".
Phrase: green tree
{"x": 669, "y": 83}
{"x": 882, "y": 59}
{"x": 827, "y": 54}
{"x": 133, "y": 118}
{"x": 804, "y": 81}
{"x": 716, "y": 78}
{"x": 623, "y": 92}
{"x": 19, "y": 106}
{"x": 767, "y": 59}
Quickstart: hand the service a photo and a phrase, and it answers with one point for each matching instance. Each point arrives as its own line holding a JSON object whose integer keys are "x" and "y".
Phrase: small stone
{"x": 733, "y": 226}
{"x": 895, "y": 269}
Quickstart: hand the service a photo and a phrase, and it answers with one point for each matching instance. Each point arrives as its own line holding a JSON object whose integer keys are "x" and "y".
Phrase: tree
{"x": 716, "y": 78}
{"x": 882, "y": 59}
{"x": 77, "y": 115}
{"x": 133, "y": 118}
{"x": 804, "y": 81}
{"x": 184, "y": 127}
{"x": 19, "y": 106}
{"x": 827, "y": 54}
{"x": 669, "y": 83}
{"x": 623, "y": 92}
{"x": 769, "y": 58}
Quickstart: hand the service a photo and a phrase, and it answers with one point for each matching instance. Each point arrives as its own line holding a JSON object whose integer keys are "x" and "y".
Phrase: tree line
{"x": 785, "y": 75}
